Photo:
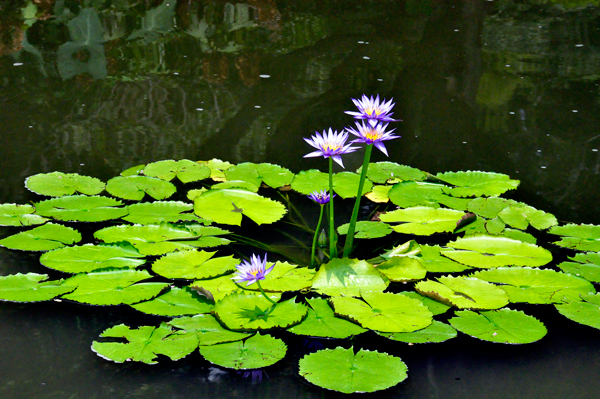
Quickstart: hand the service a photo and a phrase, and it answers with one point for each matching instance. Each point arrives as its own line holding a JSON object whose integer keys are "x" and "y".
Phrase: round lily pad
{"x": 31, "y": 287}
{"x": 311, "y": 180}
{"x": 434, "y": 306}
{"x": 57, "y": 184}
{"x": 160, "y": 212}
{"x": 504, "y": 326}
{"x": 379, "y": 194}
{"x": 436, "y": 332}
{"x": 176, "y": 302}
{"x": 255, "y": 352}
{"x": 367, "y": 229}
{"x": 321, "y": 322}
{"x": 207, "y": 328}
{"x": 411, "y": 194}
{"x": 586, "y": 265}
{"x": 521, "y": 216}
{"x": 477, "y": 184}
{"x": 286, "y": 277}
{"x": 81, "y": 208}
{"x": 402, "y": 268}
{"x": 585, "y": 237}
{"x": 432, "y": 260}
{"x": 272, "y": 175}
{"x": 88, "y": 257}
{"x": 344, "y": 371}
{"x": 586, "y": 312}
{"x": 464, "y": 292}
{"x": 345, "y": 184}
{"x": 387, "y": 172}
{"x": 43, "y": 238}
{"x": 19, "y": 215}
{"x": 185, "y": 170}
{"x": 194, "y": 264}
{"x": 348, "y": 277}
{"x": 423, "y": 220}
{"x": 489, "y": 207}
{"x": 136, "y": 187}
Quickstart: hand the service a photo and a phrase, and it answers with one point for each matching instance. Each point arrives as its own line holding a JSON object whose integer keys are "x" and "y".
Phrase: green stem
{"x": 363, "y": 175}
{"x": 264, "y": 294}
{"x": 332, "y": 243}
{"x": 314, "y": 243}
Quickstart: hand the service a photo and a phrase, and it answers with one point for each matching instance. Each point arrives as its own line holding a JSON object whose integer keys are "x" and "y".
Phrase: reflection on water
{"x": 97, "y": 86}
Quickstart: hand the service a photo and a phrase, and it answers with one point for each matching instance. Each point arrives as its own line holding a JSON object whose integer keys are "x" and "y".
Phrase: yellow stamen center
{"x": 372, "y": 134}
{"x": 331, "y": 147}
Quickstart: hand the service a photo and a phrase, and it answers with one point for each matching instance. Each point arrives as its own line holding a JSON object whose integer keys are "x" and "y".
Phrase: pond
{"x": 96, "y": 87}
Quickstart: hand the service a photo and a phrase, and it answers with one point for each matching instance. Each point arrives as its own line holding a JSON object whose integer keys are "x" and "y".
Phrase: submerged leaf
{"x": 341, "y": 370}
{"x": 19, "y": 215}
{"x": 321, "y": 322}
{"x": 255, "y": 352}
{"x": 31, "y": 287}
{"x": 57, "y": 184}
{"x": 43, "y": 238}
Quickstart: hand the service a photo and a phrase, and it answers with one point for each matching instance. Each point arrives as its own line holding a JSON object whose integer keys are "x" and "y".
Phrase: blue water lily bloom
{"x": 373, "y": 135}
{"x": 320, "y": 197}
{"x": 373, "y": 110}
{"x": 252, "y": 271}
{"x": 330, "y": 144}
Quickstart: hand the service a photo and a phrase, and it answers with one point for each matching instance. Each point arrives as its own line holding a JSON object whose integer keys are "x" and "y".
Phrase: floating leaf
{"x": 88, "y": 257}
{"x": 519, "y": 235}
{"x": 134, "y": 170}
{"x": 402, "y": 268}
{"x": 476, "y": 184}
{"x": 345, "y": 184}
{"x": 136, "y": 187}
{"x": 228, "y": 206}
{"x": 585, "y": 237}
{"x": 341, "y": 370}
{"x": 367, "y": 229}
{"x": 160, "y": 212}
{"x": 464, "y": 292}
{"x": 311, "y": 180}
{"x": 505, "y": 326}
{"x": 255, "y": 352}
{"x": 379, "y": 194}
{"x": 208, "y": 330}
{"x": 185, "y": 170}
{"x": 586, "y": 265}
{"x": 233, "y": 184}
{"x": 286, "y": 277}
{"x": 218, "y": 288}
{"x": 272, "y": 175}
{"x": 163, "y": 238}
{"x": 520, "y": 216}
{"x": 321, "y": 322}
{"x": 30, "y": 287}
{"x": 409, "y": 248}
{"x": 145, "y": 343}
{"x": 384, "y": 312}
{"x": 495, "y": 226}
{"x": 434, "y": 262}
{"x": 81, "y": 208}
{"x": 194, "y": 264}
{"x": 245, "y": 311}
{"x": 388, "y": 172}
{"x": 535, "y": 285}
{"x": 43, "y": 238}
{"x": 436, "y": 332}
{"x": 176, "y": 302}
{"x": 348, "y": 277}
{"x": 434, "y": 306}
{"x": 57, "y": 184}
{"x": 217, "y": 168}
{"x": 112, "y": 287}
{"x": 423, "y": 220}
{"x": 489, "y": 207}
{"x": 492, "y": 251}
{"x": 19, "y": 215}
{"x": 411, "y": 194}
{"x": 587, "y": 313}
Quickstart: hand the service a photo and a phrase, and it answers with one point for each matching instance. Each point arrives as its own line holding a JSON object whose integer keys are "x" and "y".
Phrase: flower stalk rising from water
{"x": 320, "y": 197}
{"x": 330, "y": 145}
{"x": 253, "y": 272}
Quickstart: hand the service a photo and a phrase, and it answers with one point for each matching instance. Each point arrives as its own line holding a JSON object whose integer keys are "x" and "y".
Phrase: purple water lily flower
{"x": 373, "y": 110}
{"x": 320, "y": 197}
{"x": 330, "y": 144}
{"x": 372, "y": 135}
{"x": 252, "y": 271}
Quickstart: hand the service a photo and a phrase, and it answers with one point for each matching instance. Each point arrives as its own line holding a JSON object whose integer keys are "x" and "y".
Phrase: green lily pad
{"x": 160, "y": 212}
{"x": 311, "y": 180}
{"x": 537, "y": 286}
{"x": 505, "y": 326}
{"x": 176, "y": 302}
{"x": 208, "y": 330}
{"x": 218, "y": 288}
{"x": 255, "y": 352}
{"x": 134, "y": 170}
{"x": 385, "y": 312}
{"x": 492, "y": 251}
{"x": 495, "y": 226}
{"x": 345, "y": 184}
{"x": 112, "y": 287}
{"x": 272, "y": 175}
{"x": 434, "y": 306}
{"x": 234, "y": 184}
{"x": 586, "y": 312}
{"x": 409, "y": 248}
{"x": 31, "y": 287}
{"x": 435, "y": 332}
{"x": 388, "y": 172}
{"x": 185, "y": 170}
{"x": 192, "y": 194}
{"x": 520, "y": 216}
{"x": 163, "y": 238}
{"x": 477, "y": 184}
{"x": 341, "y": 370}
{"x": 379, "y": 194}
{"x": 57, "y": 184}
{"x": 247, "y": 311}
{"x": 402, "y": 268}
{"x": 228, "y": 206}
{"x": 217, "y": 168}
{"x": 194, "y": 264}
{"x": 464, "y": 292}
{"x": 19, "y": 215}
{"x": 286, "y": 277}
{"x": 136, "y": 187}
{"x": 586, "y": 265}
{"x": 432, "y": 260}
{"x": 367, "y": 229}
{"x": 585, "y": 237}
{"x": 145, "y": 343}
{"x": 88, "y": 257}
{"x": 489, "y": 207}
{"x": 43, "y": 238}
{"x": 423, "y": 220}
{"x": 519, "y": 235}
{"x": 81, "y": 208}
{"x": 348, "y": 277}
{"x": 411, "y": 194}
{"x": 321, "y": 322}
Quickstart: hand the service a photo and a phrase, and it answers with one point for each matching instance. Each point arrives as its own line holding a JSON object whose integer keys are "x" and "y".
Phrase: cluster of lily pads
{"x": 463, "y": 246}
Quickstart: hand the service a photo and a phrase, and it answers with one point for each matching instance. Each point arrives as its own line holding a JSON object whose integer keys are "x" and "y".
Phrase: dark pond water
{"x": 506, "y": 86}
